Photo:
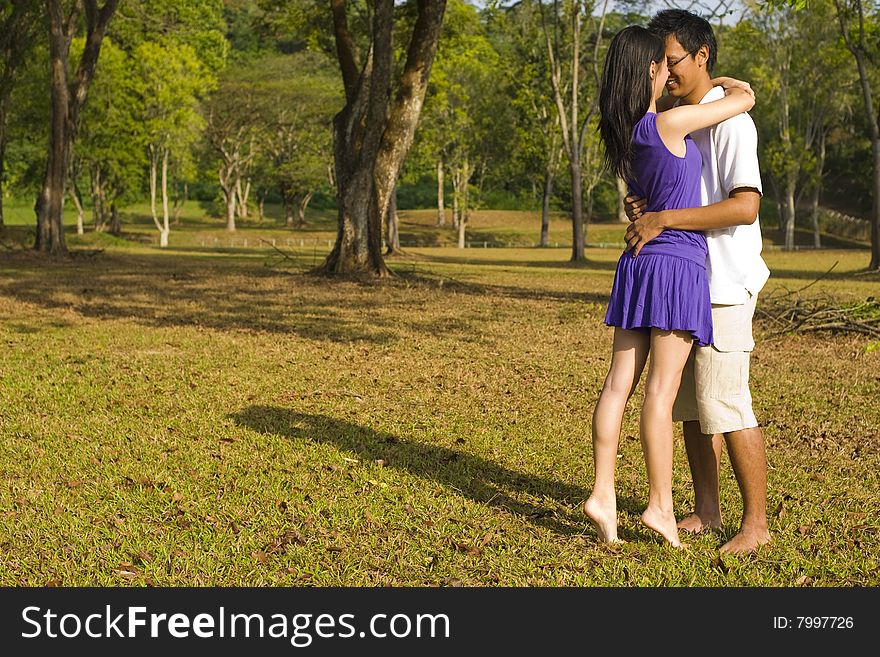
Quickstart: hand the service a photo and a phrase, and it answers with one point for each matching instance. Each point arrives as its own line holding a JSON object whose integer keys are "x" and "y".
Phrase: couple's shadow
{"x": 483, "y": 481}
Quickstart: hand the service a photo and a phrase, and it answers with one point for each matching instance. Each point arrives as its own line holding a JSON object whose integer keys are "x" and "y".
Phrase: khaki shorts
{"x": 715, "y": 381}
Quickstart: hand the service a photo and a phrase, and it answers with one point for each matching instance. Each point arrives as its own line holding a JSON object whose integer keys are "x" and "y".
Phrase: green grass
{"x": 220, "y": 417}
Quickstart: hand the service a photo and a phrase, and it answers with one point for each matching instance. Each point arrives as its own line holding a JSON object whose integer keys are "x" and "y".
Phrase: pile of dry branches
{"x": 788, "y": 311}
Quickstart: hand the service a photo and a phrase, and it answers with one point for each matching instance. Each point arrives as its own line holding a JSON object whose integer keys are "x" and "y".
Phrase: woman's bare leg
{"x": 629, "y": 353}
{"x": 669, "y": 351}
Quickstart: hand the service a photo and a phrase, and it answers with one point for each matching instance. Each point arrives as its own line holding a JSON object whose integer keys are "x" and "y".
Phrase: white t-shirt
{"x": 730, "y": 160}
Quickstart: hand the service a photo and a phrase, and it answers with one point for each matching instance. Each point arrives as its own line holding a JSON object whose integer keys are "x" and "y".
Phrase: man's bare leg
{"x": 704, "y": 458}
{"x": 749, "y": 461}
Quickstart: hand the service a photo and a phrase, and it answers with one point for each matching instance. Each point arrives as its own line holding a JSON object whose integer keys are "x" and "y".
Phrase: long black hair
{"x": 625, "y": 93}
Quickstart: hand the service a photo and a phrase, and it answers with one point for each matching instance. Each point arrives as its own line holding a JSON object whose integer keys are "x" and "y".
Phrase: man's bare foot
{"x": 697, "y": 522}
{"x": 663, "y": 524}
{"x": 604, "y": 519}
{"x": 746, "y": 542}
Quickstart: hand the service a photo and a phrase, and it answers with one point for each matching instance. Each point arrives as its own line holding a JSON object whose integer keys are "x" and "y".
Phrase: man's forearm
{"x": 734, "y": 211}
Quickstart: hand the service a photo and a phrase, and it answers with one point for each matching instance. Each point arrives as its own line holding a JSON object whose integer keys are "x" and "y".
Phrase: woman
{"x": 660, "y": 299}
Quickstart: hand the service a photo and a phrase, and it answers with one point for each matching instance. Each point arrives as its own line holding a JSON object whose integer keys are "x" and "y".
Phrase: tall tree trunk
{"x": 97, "y": 197}
{"x": 393, "y": 222}
{"x": 622, "y": 191}
{"x": 859, "y": 50}
{"x": 288, "y": 201}
{"x": 2, "y": 163}
{"x": 261, "y": 206}
{"x": 230, "y": 209}
{"x": 456, "y": 209}
{"x": 301, "y": 208}
{"x": 545, "y": 206}
{"x": 67, "y": 100}
{"x": 371, "y": 135}
{"x": 154, "y": 184}
{"x": 50, "y": 228}
{"x": 577, "y": 212}
{"x": 115, "y": 223}
{"x": 163, "y": 232}
{"x": 441, "y": 206}
{"x": 790, "y": 211}
{"x": 77, "y": 203}
{"x": 817, "y": 189}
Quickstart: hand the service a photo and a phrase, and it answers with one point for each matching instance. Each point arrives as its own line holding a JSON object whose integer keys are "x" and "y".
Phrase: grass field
{"x": 218, "y": 416}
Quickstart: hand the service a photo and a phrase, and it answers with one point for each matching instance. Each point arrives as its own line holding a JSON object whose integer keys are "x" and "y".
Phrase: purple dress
{"x": 666, "y": 286}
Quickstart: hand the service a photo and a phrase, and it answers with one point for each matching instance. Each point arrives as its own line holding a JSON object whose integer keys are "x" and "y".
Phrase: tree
{"x": 372, "y": 133}
{"x": 173, "y": 82}
{"x": 233, "y": 136}
{"x": 20, "y": 22}
{"x": 857, "y": 20}
{"x": 574, "y": 54}
{"x": 68, "y": 97}
{"x": 110, "y": 152}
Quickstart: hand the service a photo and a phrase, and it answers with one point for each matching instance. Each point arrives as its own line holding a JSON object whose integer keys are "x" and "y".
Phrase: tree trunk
{"x": 163, "y": 232}
{"x": 115, "y": 223}
{"x": 242, "y": 198}
{"x": 50, "y": 228}
{"x": 622, "y": 192}
{"x": 371, "y": 135}
{"x": 393, "y": 223}
{"x": 790, "y": 211}
{"x": 456, "y": 209}
{"x": 301, "y": 208}
{"x": 154, "y": 184}
{"x": 261, "y": 206}
{"x": 859, "y": 52}
{"x": 97, "y": 198}
{"x": 230, "y": 209}
{"x": 2, "y": 162}
{"x": 441, "y": 206}
{"x": 577, "y": 212}
{"x": 817, "y": 189}
{"x": 545, "y": 206}
{"x": 77, "y": 203}
{"x": 67, "y": 100}
{"x": 462, "y": 226}
{"x": 287, "y": 201}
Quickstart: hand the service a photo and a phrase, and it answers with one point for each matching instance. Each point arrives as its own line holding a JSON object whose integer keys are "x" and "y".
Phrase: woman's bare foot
{"x": 604, "y": 518}
{"x": 663, "y": 523}
{"x": 697, "y": 522}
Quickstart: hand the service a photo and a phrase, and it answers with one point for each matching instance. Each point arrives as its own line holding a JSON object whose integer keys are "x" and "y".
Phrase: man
{"x": 714, "y": 398}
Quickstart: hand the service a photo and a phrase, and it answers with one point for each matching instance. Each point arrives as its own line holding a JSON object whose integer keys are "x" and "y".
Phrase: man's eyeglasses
{"x": 671, "y": 65}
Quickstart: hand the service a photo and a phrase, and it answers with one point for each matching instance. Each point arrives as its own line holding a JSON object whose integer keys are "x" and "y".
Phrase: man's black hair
{"x": 690, "y": 30}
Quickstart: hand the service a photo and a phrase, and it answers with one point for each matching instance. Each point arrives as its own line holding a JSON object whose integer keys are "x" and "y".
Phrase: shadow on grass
{"x": 231, "y": 293}
{"x": 538, "y": 261}
{"x": 474, "y": 477}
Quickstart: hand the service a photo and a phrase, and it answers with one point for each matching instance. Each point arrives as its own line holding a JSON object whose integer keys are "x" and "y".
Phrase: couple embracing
{"x": 685, "y": 287}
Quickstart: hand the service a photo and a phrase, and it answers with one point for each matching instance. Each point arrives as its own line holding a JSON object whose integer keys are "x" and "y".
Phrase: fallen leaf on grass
{"x": 472, "y": 550}
{"x": 177, "y": 496}
{"x": 779, "y": 512}
{"x": 260, "y": 556}
{"x": 53, "y": 583}
{"x": 803, "y": 530}
{"x": 803, "y": 580}
{"x": 126, "y": 571}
